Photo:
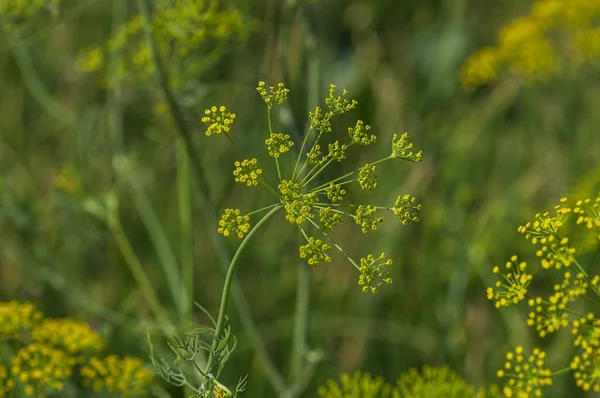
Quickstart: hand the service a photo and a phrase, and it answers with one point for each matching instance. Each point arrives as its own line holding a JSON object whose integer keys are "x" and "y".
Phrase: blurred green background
{"x": 492, "y": 159}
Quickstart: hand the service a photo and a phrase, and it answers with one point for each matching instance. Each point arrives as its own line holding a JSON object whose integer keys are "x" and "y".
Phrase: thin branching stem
{"x": 229, "y": 280}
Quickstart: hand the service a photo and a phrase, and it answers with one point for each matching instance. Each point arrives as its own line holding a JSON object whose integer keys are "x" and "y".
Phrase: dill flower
{"x": 233, "y": 222}
{"x": 359, "y": 134}
{"x": 339, "y": 104}
{"x": 372, "y": 275}
{"x": 434, "y": 382}
{"x": 278, "y": 144}
{"x": 16, "y": 13}
{"x": 335, "y": 192}
{"x": 302, "y": 200}
{"x": 514, "y": 286}
{"x": 16, "y": 318}
{"x": 315, "y": 251}
{"x": 91, "y": 59}
{"x": 481, "y": 68}
{"x": 525, "y": 374}
{"x": 41, "y": 369}
{"x": 365, "y": 217}
{"x": 218, "y": 120}
{"x": 544, "y": 232}
{"x": 329, "y": 218}
{"x": 127, "y": 375}
{"x": 406, "y": 208}
{"x": 548, "y": 316}
{"x": 274, "y": 96}
{"x": 401, "y": 148}
{"x": 181, "y": 29}
{"x": 74, "y": 337}
{"x": 357, "y": 384}
{"x": 247, "y": 172}
{"x": 367, "y": 177}
{"x": 535, "y": 46}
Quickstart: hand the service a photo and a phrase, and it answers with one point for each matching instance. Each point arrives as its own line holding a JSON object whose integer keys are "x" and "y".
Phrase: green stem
{"x": 306, "y": 160}
{"x": 263, "y": 209}
{"x": 186, "y": 231}
{"x": 299, "y": 346}
{"x": 159, "y": 239}
{"x": 208, "y": 206}
{"x": 135, "y": 266}
{"x": 178, "y": 117}
{"x": 35, "y": 86}
{"x": 308, "y": 178}
{"x": 227, "y": 285}
{"x": 333, "y": 242}
{"x": 349, "y": 174}
{"x": 301, "y": 152}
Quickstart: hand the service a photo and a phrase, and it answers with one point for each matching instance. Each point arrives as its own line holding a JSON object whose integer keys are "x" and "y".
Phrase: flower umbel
{"x": 513, "y": 286}
{"x": 233, "y": 222}
{"x": 218, "y": 120}
{"x": 525, "y": 374}
{"x": 315, "y": 251}
{"x": 16, "y": 318}
{"x": 372, "y": 275}
{"x": 302, "y": 199}
{"x": 274, "y": 95}
{"x": 401, "y": 148}
{"x": 247, "y": 172}
{"x": 115, "y": 375}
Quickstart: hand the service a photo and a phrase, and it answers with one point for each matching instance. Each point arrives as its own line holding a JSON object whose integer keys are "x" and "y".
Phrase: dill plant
{"x": 315, "y": 208}
{"x": 555, "y": 36}
{"x": 429, "y": 382}
{"x": 561, "y": 239}
{"x": 47, "y": 357}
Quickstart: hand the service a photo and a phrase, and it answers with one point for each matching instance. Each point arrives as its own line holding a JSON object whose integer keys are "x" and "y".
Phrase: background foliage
{"x": 492, "y": 158}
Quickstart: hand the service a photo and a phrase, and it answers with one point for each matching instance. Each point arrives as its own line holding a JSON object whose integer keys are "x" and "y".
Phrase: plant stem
{"x": 186, "y": 231}
{"x": 208, "y": 205}
{"x": 158, "y": 237}
{"x": 228, "y": 281}
{"x": 300, "y": 320}
{"x": 178, "y": 117}
{"x": 135, "y": 266}
{"x": 35, "y": 86}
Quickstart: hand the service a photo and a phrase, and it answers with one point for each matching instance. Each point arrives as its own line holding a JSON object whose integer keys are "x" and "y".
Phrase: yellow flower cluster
{"x": 247, "y": 172}
{"x": 301, "y": 201}
{"x": 526, "y": 374}
{"x": 70, "y": 335}
{"x": 17, "y": 318}
{"x": 217, "y": 122}
{"x": 563, "y": 308}
{"x": 439, "y": 382}
{"x": 126, "y": 375}
{"x": 274, "y": 95}
{"x": 539, "y": 45}
{"x": 233, "y": 222}
{"x": 431, "y": 382}
{"x": 372, "y": 275}
{"x": 278, "y": 144}
{"x": 358, "y": 384}
{"x": 315, "y": 251}
{"x": 47, "y": 350}
{"x": 514, "y": 287}
{"x": 41, "y": 369}
{"x": 15, "y": 13}
{"x": 181, "y": 27}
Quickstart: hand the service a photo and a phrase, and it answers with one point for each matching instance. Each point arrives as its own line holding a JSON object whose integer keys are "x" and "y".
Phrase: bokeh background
{"x": 493, "y": 157}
